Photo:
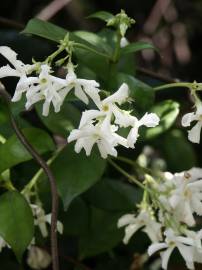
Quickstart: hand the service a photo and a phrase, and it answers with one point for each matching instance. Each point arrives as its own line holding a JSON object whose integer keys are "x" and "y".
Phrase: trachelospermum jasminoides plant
{"x": 114, "y": 109}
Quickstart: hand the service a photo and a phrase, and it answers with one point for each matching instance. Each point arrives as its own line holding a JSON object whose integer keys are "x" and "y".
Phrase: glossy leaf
{"x": 102, "y": 15}
{"x": 137, "y": 46}
{"x": 16, "y": 222}
{"x": 13, "y": 152}
{"x": 167, "y": 111}
{"x": 55, "y": 33}
{"x": 75, "y": 173}
{"x": 102, "y": 235}
{"x": 118, "y": 196}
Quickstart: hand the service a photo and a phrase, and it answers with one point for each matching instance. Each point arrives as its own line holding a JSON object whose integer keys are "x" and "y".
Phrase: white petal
{"x": 119, "y": 96}
{"x": 125, "y": 220}
{"x": 88, "y": 116}
{"x": 149, "y": 120}
{"x": 129, "y": 231}
{"x": 156, "y": 247}
{"x": 80, "y": 94}
{"x": 132, "y": 136}
{"x": 187, "y": 254}
{"x": 187, "y": 119}
{"x": 46, "y": 107}
{"x": 194, "y": 133}
{"x": 165, "y": 257}
{"x": 7, "y": 71}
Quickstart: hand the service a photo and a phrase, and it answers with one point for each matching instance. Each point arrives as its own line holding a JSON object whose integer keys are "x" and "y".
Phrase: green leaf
{"x": 52, "y": 32}
{"x": 45, "y": 30}
{"x": 102, "y": 15}
{"x": 102, "y": 235}
{"x": 75, "y": 173}
{"x": 77, "y": 213}
{"x": 118, "y": 196}
{"x": 16, "y": 222}
{"x": 142, "y": 93}
{"x": 182, "y": 156}
{"x": 62, "y": 122}
{"x": 12, "y": 152}
{"x": 137, "y": 46}
{"x": 167, "y": 111}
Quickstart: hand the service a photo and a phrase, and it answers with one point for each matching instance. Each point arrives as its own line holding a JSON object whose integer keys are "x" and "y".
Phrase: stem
{"x": 35, "y": 178}
{"x": 172, "y": 85}
{"x": 127, "y": 175}
{"x": 117, "y": 48}
{"x": 47, "y": 171}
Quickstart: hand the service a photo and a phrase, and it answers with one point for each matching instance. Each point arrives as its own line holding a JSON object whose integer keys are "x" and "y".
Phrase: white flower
{"x": 185, "y": 246}
{"x": 44, "y": 87}
{"x": 103, "y": 134}
{"x": 38, "y": 258}
{"x": 82, "y": 88}
{"x": 148, "y": 120}
{"x": 194, "y": 133}
{"x": 124, "y": 42}
{"x": 186, "y": 197}
{"x": 144, "y": 219}
{"x": 41, "y": 220}
{"x": 19, "y": 69}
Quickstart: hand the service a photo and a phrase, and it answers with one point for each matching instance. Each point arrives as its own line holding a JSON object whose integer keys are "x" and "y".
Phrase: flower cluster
{"x": 168, "y": 215}
{"x": 101, "y": 126}
{"x": 44, "y": 86}
{"x": 98, "y": 126}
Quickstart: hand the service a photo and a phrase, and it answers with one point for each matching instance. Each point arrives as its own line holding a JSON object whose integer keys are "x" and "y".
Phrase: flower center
{"x": 105, "y": 108}
{"x": 43, "y": 81}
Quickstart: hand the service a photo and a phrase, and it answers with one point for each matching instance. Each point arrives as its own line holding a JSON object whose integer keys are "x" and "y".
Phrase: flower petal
{"x": 195, "y": 132}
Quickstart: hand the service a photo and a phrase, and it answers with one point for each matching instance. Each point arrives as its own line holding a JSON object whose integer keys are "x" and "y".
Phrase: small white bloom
{"x": 38, "y": 258}
{"x": 103, "y": 134}
{"x": 124, "y": 42}
{"x": 143, "y": 219}
{"x": 185, "y": 246}
{"x": 186, "y": 197}
{"x": 82, "y": 88}
{"x": 148, "y": 120}
{"x": 194, "y": 133}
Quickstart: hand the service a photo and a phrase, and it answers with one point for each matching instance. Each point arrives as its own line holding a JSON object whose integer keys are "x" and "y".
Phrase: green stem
{"x": 35, "y": 178}
{"x": 117, "y": 48}
{"x": 126, "y": 160}
{"x": 127, "y": 175}
{"x": 173, "y": 85}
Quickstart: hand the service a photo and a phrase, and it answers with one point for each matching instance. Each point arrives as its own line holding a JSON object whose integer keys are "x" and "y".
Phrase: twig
{"x": 155, "y": 75}
{"x": 75, "y": 262}
{"x": 50, "y": 10}
{"x": 54, "y": 212}
{"x": 11, "y": 23}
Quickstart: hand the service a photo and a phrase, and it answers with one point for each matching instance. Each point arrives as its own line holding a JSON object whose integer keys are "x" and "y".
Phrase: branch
{"x": 54, "y": 212}
{"x": 155, "y": 75}
{"x": 11, "y": 23}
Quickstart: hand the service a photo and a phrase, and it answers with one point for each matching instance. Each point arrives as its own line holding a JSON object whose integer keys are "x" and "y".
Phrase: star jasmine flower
{"x": 148, "y": 120}
{"x": 83, "y": 88}
{"x": 195, "y": 131}
{"x": 144, "y": 219}
{"x": 186, "y": 197}
{"x": 44, "y": 87}
{"x": 185, "y": 245}
{"x": 19, "y": 69}
{"x": 102, "y": 133}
